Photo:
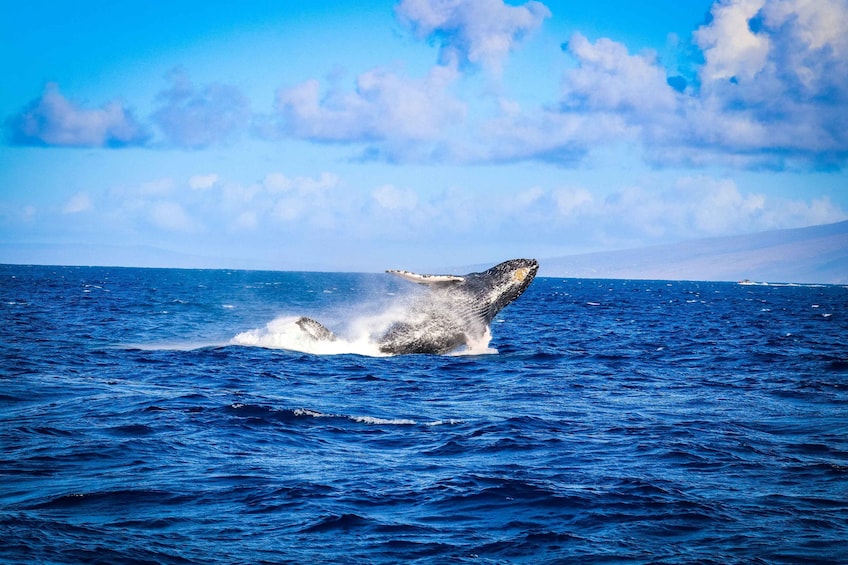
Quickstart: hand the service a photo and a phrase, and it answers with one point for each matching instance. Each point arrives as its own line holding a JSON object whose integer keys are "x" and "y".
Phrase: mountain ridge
{"x": 815, "y": 254}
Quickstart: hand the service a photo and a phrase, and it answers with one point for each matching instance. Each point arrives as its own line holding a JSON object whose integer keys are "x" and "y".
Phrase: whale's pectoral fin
{"x": 315, "y": 330}
{"x": 428, "y": 279}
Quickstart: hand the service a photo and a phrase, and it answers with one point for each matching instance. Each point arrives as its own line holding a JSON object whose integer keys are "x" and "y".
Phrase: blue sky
{"x": 413, "y": 134}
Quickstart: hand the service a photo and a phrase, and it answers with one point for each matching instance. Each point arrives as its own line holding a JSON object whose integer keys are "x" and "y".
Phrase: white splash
{"x": 374, "y": 420}
{"x": 284, "y": 333}
{"x": 477, "y": 347}
{"x": 359, "y": 335}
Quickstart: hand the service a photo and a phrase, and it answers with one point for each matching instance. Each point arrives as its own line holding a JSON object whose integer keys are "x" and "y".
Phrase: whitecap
{"x": 382, "y": 421}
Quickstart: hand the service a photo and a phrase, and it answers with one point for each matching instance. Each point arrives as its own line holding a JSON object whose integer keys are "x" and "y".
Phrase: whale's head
{"x": 503, "y": 283}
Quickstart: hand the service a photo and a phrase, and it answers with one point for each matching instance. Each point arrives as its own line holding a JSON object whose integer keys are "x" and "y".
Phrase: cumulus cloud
{"x": 609, "y": 79}
{"x": 171, "y": 216}
{"x": 398, "y": 118}
{"x": 392, "y": 198}
{"x": 772, "y": 92}
{"x": 79, "y": 202}
{"x": 202, "y": 182}
{"x": 386, "y": 109}
{"x": 731, "y": 48}
{"x": 638, "y": 214}
{"x": 609, "y": 97}
{"x": 774, "y": 84}
{"x": 53, "y": 120}
{"x": 278, "y": 182}
{"x": 164, "y": 204}
{"x": 198, "y": 118}
{"x": 475, "y": 32}
{"x": 570, "y": 201}
{"x": 767, "y": 88}
{"x": 157, "y": 187}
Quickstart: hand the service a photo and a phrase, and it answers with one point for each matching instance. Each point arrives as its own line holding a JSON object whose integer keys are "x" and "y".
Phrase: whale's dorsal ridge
{"x": 427, "y": 279}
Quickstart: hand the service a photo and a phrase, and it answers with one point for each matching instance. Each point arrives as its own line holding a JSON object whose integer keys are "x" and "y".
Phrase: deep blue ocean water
{"x": 618, "y": 422}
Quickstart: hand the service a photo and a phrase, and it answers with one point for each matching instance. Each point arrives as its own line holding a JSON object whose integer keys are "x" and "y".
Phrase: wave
{"x": 292, "y": 415}
{"x": 174, "y": 345}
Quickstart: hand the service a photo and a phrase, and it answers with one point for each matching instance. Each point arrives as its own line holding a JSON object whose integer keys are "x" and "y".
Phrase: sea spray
{"x": 284, "y": 333}
{"x": 359, "y": 334}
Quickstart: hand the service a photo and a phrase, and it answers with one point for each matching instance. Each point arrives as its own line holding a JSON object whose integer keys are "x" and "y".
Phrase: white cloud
{"x": 246, "y": 221}
{"x": 548, "y": 134}
{"x": 570, "y": 201}
{"x": 527, "y": 198}
{"x": 772, "y": 92}
{"x": 202, "y": 182}
{"x": 479, "y": 32}
{"x": 171, "y": 216}
{"x": 324, "y": 212}
{"x": 609, "y": 97}
{"x": 276, "y": 203}
{"x": 79, "y": 202}
{"x": 775, "y": 82}
{"x": 53, "y": 120}
{"x": 278, "y": 182}
{"x": 393, "y": 198}
{"x": 730, "y": 47}
{"x": 609, "y": 79}
{"x": 718, "y": 207}
{"x": 200, "y": 118}
{"x": 157, "y": 187}
{"x": 702, "y": 206}
{"x": 392, "y": 112}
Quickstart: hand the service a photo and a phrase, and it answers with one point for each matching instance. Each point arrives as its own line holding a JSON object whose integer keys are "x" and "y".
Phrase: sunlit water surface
{"x": 170, "y": 416}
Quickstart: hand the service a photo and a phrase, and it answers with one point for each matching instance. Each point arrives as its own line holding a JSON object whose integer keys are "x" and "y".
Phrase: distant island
{"x": 817, "y": 254}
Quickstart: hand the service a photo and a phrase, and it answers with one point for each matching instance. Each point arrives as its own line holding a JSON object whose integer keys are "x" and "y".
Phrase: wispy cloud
{"x": 53, "y": 120}
{"x": 202, "y": 182}
{"x": 283, "y": 213}
{"x": 393, "y": 113}
{"x": 171, "y": 217}
{"x": 472, "y": 32}
{"x": 79, "y": 202}
{"x": 198, "y": 118}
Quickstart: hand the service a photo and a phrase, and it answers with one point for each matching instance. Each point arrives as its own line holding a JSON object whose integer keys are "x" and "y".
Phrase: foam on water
{"x": 374, "y": 420}
{"x": 284, "y": 333}
{"x": 477, "y": 346}
{"x": 359, "y": 334}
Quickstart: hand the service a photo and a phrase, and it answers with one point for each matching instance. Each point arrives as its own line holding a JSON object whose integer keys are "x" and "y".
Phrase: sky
{"x": 414, "y": 134}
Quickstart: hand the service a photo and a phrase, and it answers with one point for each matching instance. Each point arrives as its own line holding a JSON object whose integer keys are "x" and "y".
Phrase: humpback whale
{"x": 454, "y": 311}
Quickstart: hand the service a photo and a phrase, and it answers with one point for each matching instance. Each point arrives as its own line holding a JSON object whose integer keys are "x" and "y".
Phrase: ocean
{"x": 169, "y": 416}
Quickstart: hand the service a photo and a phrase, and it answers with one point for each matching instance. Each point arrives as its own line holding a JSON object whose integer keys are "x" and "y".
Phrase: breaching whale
{"x": 455, "y": 310}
